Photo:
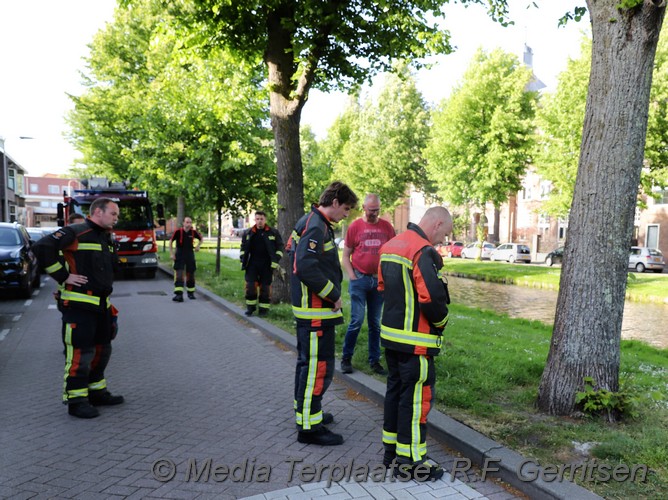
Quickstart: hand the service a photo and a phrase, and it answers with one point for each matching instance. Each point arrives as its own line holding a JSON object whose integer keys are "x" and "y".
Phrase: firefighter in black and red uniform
{"x": 261, "y": 250}
{"x": 82, "y": 259}
{"x": 315, "y": 288}
{"x": 414, "y": 316}
{"x": 184, "y": 258}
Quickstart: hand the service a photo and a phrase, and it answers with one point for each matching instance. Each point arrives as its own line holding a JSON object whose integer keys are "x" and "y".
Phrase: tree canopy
{"x": 165, "y": 117}
{"x": 482, "y": 135}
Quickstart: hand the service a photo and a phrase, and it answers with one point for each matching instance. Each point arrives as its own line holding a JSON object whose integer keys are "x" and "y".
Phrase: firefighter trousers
{"x": 87, "y": 339}
{"x": 184, "y": 271}
{"x": 258, "y": 275}
{"x": 408, "y": 400}
{"x": 313, "y": 374}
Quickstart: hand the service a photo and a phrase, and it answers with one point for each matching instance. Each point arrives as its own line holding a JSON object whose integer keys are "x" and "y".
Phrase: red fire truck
{"x": 135, "y": 230}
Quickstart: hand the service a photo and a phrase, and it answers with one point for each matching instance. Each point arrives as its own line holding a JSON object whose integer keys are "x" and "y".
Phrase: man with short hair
{"x": 82, "y": 259}
{"x": 184, "y": 258}
{"x": 361, "y": 255}
{"x": 315, "y": 289}
{"x": 414, "y": 316}
{"x": 261, "y": 250}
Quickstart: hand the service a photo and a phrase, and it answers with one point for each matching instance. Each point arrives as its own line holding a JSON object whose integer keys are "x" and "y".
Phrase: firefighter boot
{"x": 104, "y": 398}
{"x": 82, "y": 409}
{"x": 178, "y": 297}
{"x": 249, "y": 310}
{"x": 321, "y": 436}
{"x": 191, "y": 296}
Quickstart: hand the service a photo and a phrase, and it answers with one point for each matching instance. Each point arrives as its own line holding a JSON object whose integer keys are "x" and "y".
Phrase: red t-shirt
{"x": 365, "y": 241}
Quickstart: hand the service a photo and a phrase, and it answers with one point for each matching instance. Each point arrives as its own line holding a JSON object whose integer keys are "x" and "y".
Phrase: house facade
{"x": 42, "y": 195}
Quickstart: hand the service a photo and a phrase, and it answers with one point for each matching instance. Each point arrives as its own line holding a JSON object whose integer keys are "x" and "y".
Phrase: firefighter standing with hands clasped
{"x": 82, "y": 259}
{"x": 414, "y": 316}
{"x": 261, "y": 250}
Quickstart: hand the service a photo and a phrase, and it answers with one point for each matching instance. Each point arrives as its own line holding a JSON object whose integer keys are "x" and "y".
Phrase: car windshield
{"x": 655, "y": 252}
{"x": 133, "y": 215}
{"x": 9, "y": 237}
{"x": 523, "y": 249}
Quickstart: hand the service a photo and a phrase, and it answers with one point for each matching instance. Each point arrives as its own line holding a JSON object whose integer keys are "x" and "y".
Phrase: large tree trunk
{"x": 285, "y": 108}
{"x": 587, "y": 327}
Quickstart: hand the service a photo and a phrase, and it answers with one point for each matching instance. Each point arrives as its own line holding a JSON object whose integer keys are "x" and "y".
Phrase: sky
{"x": 43, "y": 43}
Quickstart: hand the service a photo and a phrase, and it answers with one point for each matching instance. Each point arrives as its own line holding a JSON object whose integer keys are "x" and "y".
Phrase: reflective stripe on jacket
{"x": 85, "y": 249}
{"x": 415, "y": 309}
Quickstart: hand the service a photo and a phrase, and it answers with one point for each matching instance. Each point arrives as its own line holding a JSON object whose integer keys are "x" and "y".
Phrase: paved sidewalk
{"x": 208, "y": 414}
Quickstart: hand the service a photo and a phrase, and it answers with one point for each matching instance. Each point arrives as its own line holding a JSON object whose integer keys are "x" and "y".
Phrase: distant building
{"x": 42, "y": 195}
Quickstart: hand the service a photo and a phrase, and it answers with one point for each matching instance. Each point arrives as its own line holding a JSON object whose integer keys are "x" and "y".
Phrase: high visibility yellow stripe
{"x": 54, "y": 267}
{"x": 295, "y": 237}
{"x": 328, "y": 246}
{"x": 310, "y": 379}
{"x": 389, "y": 437}
{"x": 397, "y": 259}
{"x": 279, "y": 253}
{"x": 271, "y": 237}
{"x": 69, "y": 354}
{"x": 315, "y": 313}
{"x": 314, "y": 419}
{"x": 80, "y": 297}
{"x": 410, "y": 338}
{"x": 442, "y": 323}
{"x": 417, "y": 407}
{"x": 328, "y": 288}
{"x": 98, "y": 386}
{"x": 408, "y": 299}
{"x": 90, "y": 246}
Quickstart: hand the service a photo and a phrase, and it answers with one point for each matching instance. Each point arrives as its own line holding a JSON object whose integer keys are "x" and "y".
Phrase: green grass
{"x": 488, "y": 375}
{"x": 647, "y": 287}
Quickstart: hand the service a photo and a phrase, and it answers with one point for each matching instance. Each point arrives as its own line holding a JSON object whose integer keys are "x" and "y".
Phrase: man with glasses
{"x": 361, "y": 255}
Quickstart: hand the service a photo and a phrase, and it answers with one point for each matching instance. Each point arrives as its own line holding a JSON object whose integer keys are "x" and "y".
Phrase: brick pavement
{"x": 200, "y": 385}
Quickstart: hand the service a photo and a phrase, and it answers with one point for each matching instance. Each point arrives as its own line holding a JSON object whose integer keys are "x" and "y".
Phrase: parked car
{"x": 451, "y": 249}
{"x": 643, "y": 258}
{"x": 20, "y": 270}
{"x": 511, "y": 252}
{"x": 556, "y": 256}
{"x": 471, "y": 250}
{"x": 37, "y": 233}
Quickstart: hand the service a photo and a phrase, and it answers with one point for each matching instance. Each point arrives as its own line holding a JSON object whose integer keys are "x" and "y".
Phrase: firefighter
{"x": 315, "y": 289}
{"x": 261, "y": 250}
{"x": 414, "y": 316}
{"x": 184, "y": 258}
{"x": 82, "y": 259}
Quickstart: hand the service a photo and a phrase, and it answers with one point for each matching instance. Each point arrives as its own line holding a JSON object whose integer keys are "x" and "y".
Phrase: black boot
{"x": 321, "y": 436}
{"x": 191, "y": 296}
{"x": 82, "y": 409}
{"x": 104, "y": 398}
{"x": 178, "y": 297}
{"x": 263, "y": 312}
{"x": 249, "y": 310}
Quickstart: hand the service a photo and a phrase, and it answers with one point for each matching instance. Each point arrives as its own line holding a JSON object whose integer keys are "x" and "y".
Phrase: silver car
{"x": 511, "y": 252}
{"x": 471, "y": 250}
{"x": 643, "y": 258}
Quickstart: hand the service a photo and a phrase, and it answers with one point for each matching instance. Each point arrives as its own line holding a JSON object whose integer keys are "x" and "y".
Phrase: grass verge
{"x": 488, "y": 376}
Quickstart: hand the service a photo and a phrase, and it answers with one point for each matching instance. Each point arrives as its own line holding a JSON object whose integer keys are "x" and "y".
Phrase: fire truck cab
{"x": 135, "y": 230}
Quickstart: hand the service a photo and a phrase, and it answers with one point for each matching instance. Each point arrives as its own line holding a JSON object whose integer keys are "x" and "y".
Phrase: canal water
{"x": 642, "y": 321}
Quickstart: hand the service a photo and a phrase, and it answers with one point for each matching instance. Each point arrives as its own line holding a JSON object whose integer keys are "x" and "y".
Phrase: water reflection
{"x": 642, "y": 321}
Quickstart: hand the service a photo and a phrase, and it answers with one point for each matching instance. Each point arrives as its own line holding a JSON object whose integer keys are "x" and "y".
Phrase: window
{"x": 664, "y": 197}
{"x": 54, "y": 189}
{"x": 34, "y": 188}
{"x": 11, "y": 179}
{"x": 545, "y": 188}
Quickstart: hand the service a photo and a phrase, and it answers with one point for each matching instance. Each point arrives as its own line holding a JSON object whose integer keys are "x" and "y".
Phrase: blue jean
{"x": 364, "y": 294}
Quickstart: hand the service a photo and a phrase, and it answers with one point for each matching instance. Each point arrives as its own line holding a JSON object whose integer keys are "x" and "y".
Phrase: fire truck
{"x": 135, "y": 230}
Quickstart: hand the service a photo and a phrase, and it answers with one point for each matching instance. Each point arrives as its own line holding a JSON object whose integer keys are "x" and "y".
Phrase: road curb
{"x": 471, "y": 444}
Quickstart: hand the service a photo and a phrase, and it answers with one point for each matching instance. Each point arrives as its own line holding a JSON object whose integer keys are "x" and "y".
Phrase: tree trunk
{"x": 180, "y": 210}
{"x": 286, "y": 105}
{"x": 219, "y": 212}
{"x": 587, "y": 326}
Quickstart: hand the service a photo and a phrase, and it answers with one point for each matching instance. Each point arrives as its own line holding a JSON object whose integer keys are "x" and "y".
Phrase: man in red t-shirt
{"x": 361, "y": 255}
